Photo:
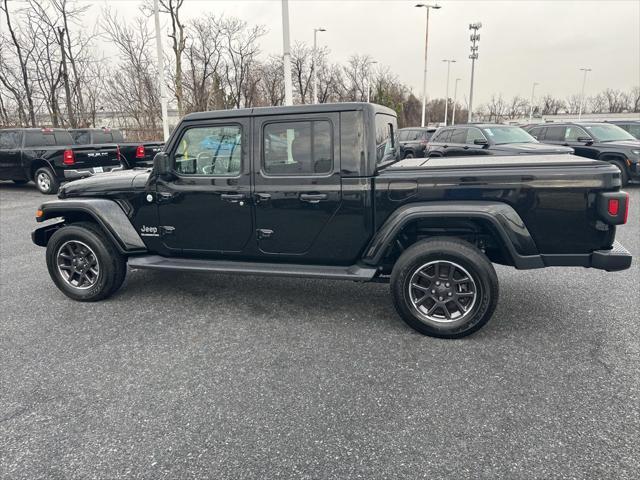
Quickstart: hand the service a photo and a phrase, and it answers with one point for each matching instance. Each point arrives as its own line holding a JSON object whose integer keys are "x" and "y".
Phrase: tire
{"x": 474, "y": 301}
{"x": 85, "y": 240}
{"x": 624, "y": 175}
{"x": 45, "y": 180}
{"x": 20, "y": 182}
{"x": 409, "y": 155}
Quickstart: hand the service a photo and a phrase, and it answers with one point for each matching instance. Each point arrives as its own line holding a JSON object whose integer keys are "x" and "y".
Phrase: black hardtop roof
{"x": 283, "y": 110}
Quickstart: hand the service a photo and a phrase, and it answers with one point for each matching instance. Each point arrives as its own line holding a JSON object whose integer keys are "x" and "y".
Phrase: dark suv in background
{"x": 631, "y": 126}
{"x": 413, "y": 141}
{"x": 599, "y": 140}
{"x": 487, "y": 139}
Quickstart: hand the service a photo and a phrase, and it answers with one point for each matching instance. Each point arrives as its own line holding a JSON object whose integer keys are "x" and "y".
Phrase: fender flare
{"x": 30, "y": 171}
{"x": 502, "y": 217}
{"x": 106, "y": 213}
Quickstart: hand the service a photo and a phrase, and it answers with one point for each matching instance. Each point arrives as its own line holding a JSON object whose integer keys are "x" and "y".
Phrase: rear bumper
{"x": 74, "y": 174}
{"x": 613, "y": 260}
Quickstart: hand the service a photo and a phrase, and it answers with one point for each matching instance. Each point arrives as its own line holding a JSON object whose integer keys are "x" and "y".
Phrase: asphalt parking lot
{"x": 214, "y": 376}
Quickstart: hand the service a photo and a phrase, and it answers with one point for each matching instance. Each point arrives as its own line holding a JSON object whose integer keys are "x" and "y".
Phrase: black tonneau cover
{"x": 493, "y": 161}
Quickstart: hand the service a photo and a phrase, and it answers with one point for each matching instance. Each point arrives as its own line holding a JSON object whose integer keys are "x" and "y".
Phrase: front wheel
{"x": 444, "y": 288}
{"x": 83, "y": 263}
{"x": 409, "y": 155}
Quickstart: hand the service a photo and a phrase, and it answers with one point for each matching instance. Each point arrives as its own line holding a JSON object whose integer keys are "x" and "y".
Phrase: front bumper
{"x": 615, "y": 259}
{"x": 75, "y": 174}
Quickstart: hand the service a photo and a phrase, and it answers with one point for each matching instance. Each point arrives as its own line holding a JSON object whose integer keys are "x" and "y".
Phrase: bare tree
{"x": 551, "y": 105}
{"x": 204, "y": 60}
{"x": 241, "y": 54}
{"x": 23, "y": 55}
{"x": 634, "y": 99}
{"x": 133, "y": 90}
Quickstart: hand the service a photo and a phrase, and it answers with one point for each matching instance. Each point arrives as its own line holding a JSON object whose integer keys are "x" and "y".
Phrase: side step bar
{"x": 156, "y": 262}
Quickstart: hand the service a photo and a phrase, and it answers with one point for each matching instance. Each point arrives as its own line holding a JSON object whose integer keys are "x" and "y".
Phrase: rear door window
{"x": 298, "y": 148}
{"x": 555, "y": 134}
{"x": 459, "y": 135}
{"x": 35, "y": 138}
{"x": 443, "y": 136}
{"x": 9, "y": 140}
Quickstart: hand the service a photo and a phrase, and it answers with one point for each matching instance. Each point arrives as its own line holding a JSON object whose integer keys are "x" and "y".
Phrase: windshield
{"x": 608, "y": 133}
{"x": 502, "y": 135}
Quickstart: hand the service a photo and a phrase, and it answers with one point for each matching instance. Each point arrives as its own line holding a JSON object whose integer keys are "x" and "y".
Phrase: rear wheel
{"x": 46, "y": 181}
{"x": 409, "y": 155}
{"x": 444, "y": 288}
{"x": 83, "y": 263}
{"x": 624, "y": 176}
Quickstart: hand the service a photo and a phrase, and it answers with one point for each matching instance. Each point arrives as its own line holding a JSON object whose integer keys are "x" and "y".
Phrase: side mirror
{"x": 161, "y": 164}
{"x": 480, "y": 141}
{"x": 585, "y": 139}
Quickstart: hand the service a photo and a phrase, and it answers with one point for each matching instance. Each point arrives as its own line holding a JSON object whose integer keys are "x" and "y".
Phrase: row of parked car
{"x": 51, "y": 156}
{"x": 615, "y": 142}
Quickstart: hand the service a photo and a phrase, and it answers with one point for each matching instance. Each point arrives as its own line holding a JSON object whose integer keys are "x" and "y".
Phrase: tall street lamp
{"x": 533, "y": 89}
{"x": 455, "y": 99}
{"x": 446, "y": 97}
{"x": 584, "y": 81}
{"x": 373, "y": 62}
{"x": 313, "y": 62}
{"x": 426, "y": 49}
{"x": 286, "y": 54}
{"x": 475, "y": 38}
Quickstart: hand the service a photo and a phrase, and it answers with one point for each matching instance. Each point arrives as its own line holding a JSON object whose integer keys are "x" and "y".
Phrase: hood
{"x": 631, "y": 144}
{"x": 532, "y": 148}
{"x": 102, "y": 183}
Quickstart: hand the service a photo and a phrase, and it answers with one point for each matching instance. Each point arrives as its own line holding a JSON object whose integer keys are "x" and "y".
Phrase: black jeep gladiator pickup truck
{"x": 132, "y": 154}
{"x": 49, "y": 157}
{"x": 319, "y": 191}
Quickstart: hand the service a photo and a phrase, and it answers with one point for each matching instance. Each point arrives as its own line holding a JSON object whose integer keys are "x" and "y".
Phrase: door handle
{"x": 313, "y": 197}
{"x": 232, "y": 197}
{"x": 445, "y": 146}
{"x": 466, "y": 147}
{"x": 263, "y": 197}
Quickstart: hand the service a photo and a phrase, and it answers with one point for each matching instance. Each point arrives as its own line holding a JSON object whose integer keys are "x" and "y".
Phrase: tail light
{"x": 68, "y": 158}
{"x": 613, "y": 207}
{"x": 140, "y": 151}
{"x": 118, "y": 154}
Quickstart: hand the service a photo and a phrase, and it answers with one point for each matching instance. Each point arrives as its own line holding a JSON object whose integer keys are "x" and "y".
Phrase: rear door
{"x": 555, "y": 135}
{"x": 297, "y": 181}
{"x": 10, "y": 155}
{"x": 456, "y": 147}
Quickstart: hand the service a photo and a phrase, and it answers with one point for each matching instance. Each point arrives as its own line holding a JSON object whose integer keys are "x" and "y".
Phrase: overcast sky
{"x": 521, "y": 41}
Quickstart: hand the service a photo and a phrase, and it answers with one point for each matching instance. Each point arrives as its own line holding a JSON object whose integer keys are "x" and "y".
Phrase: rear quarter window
{"x": 386, "y": 129}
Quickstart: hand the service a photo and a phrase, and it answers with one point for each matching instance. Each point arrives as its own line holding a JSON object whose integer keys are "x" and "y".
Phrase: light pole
{"x": 446, "y": 97}
{"x": 163, "y": 87}
{"x": 426, "y": 50}
{"x": 313, "y": 62}
{"x": 373, "y": 62}
{"x": 286, "y": 54}
{"x": 475, "y": 37}
{"x": 584, "y": 81}
{"x": 455, "y": 99}
{"x": 533, "y": 89}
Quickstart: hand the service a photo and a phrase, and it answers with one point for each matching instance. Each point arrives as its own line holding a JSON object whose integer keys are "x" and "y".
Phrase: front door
{"x": 206, "y": 206}
{"x": 297, "y": 180}
{"x": 581, "y": 147}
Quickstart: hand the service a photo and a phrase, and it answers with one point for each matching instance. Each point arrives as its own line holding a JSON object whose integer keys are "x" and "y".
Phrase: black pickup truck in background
{"x": 49, "y": 157}
{"x": 133, "y": 154}
{"x": 320, "y": 191}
